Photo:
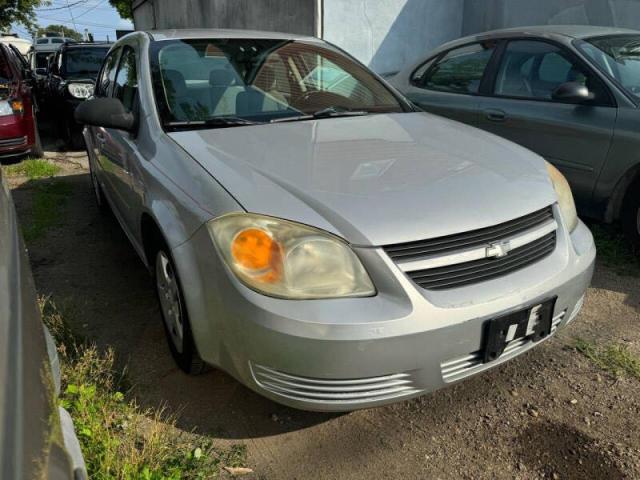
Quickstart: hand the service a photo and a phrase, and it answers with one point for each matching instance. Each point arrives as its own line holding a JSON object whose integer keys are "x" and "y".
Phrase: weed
{"x": 46, "y": 209}
{"x": 119, "y": 439}
{"x": 614, "y": 249}
{"x": 33, "y": 169}
{"x": 616, "y": 359}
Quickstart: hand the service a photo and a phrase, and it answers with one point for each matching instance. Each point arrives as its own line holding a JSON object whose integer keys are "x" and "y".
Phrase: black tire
{"x": 631, "y": 216}
{"x": 185, "y": 355}
{"x": 37, "y": 151}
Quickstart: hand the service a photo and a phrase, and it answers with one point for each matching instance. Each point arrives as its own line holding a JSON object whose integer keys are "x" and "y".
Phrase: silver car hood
{"x": 375, "y": 180}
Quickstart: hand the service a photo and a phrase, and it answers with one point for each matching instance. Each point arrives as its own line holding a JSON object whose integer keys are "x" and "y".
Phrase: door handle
{"x": 495, "y": 115}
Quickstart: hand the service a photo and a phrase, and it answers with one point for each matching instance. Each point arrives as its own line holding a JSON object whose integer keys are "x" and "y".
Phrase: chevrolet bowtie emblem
{"x": 498, "y": 250}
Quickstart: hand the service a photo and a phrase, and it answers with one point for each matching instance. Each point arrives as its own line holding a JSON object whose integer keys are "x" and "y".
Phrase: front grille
{"x": 340, "y": 391}
{"x": 483, "y": 236}
{"x": 13, "y": 142}
{"x": 471, "y": 257}
{"x": 479, "y": 270}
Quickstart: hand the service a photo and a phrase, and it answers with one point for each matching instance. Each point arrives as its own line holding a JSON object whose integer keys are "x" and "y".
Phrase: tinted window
{"x": 42, "y": 59}
{"x": 42, "y": 41}
{"x": 460, "y": 70}
{"x": 126, "y": 81}
{"x": 108, "y": 74}
{"x": 260, "y": 80}
{"x": 81, "y": 61}
{"x": 619, "y": 57}
{"x": 532, "y": 69}
{"x": 5, "y": 71}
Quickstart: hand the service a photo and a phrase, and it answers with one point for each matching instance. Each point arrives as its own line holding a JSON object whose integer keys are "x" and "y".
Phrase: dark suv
{"x": 71, "y": 79}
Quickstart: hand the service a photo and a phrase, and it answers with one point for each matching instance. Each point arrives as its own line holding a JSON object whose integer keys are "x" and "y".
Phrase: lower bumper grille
{"x": 354, "y": 391}
{"x": 459, "y": 368}
{"x": 13, "y": 142}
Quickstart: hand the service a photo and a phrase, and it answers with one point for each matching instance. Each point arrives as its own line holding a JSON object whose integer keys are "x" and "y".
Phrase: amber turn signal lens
{"x": 17, "y": 106}
{"x": 254, "y": 249}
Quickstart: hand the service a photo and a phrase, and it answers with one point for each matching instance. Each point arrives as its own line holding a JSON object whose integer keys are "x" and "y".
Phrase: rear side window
{"x": 108, "y": 74}
{"x": 126, "y": 83}
{"x": 460, "y": 70}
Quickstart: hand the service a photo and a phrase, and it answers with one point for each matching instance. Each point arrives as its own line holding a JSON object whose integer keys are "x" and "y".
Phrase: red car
{"x": 18, "y": 125}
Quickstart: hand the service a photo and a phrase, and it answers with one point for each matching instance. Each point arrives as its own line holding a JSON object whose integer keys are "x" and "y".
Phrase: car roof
{"x": 559, "y": 32}
{"x": 195, "y": 33}
{"x": 68, "y": 45}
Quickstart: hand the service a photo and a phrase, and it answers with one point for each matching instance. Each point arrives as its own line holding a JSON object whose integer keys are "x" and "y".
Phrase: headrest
{"x": 222, "y": 78}
{"x": 175, "y": 80}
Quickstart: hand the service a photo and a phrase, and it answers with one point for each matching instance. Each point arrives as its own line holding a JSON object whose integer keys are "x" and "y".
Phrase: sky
{"x": 97, "y": 15}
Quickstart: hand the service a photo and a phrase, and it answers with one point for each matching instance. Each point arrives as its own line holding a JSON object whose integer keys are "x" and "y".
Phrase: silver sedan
{"x": 312, "y": 234}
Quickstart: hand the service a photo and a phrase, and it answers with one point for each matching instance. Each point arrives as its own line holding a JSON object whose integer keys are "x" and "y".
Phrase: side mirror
{"x": 107, "y": 113}
{"x": 41, "y": 71}
{"x": 572, "y": 92}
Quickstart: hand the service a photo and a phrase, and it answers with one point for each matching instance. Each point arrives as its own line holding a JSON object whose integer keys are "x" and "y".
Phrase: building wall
{"x": 482, "y": 15}
{"x": 388, "y": 34}
{"x": 293, "y": 16}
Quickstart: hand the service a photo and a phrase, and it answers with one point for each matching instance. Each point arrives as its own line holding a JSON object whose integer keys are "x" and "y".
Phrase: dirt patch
{"x": 551, "y": 413}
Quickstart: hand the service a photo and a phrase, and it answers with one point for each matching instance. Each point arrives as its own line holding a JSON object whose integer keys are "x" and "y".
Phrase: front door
{"x": 575, "y": 138}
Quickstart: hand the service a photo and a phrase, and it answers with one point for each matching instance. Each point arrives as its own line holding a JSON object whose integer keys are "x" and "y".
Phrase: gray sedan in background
{"x": 314, "y": 235}
{"x": 569, "y": 93}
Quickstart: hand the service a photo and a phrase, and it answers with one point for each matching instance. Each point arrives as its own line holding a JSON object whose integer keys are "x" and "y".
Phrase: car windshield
{"x": 235, "y": 82}
{"x": 619, "y": 57}
{"x": 80, "y": 61}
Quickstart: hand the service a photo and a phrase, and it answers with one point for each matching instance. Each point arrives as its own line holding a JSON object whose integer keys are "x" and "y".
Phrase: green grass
{"x": 33, "y": 169}
{"x": 119, "y": 439}
{"x": 47, "y": 204}
{"x": 614, "y": 249}
{"x": 615, "y": 359}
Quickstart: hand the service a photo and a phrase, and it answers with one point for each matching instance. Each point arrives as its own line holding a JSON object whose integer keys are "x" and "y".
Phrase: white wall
{"x": 388, "y": 34}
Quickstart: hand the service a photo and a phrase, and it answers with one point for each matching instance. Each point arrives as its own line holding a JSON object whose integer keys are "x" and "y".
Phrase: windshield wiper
{"x": 329, "y": 112}
{"x": 215, "y": 122}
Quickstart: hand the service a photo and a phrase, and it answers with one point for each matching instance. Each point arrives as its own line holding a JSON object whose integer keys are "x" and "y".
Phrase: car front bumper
{"x": 17, "y": 134}
{"x": 346, "y": 354}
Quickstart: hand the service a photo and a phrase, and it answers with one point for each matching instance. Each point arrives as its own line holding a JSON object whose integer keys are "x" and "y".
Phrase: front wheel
{"x": 631, "y": 216}
{"x": 174, "y": 314}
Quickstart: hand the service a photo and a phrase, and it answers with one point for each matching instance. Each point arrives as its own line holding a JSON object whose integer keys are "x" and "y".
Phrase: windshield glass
{"x": 618, "y": 56}
{"x": 84, "y": 60}
{"x": 260, "y": 80}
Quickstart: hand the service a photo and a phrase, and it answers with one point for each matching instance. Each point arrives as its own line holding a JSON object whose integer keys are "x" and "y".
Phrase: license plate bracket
{"x": 533, "y": 323}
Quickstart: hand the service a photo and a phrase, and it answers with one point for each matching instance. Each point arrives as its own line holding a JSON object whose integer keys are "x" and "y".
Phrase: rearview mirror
{"x": 572, "y": 92}
{"x": 107, "y": 113}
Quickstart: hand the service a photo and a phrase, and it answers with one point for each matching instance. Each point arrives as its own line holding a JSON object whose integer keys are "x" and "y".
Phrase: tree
{"x": 60, "y": 30}
{"x": 124, "y": 8}
{"x": 19, "y": 11}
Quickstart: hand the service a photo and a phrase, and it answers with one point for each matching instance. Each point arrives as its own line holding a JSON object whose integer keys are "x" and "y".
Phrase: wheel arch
{"x": 616, "y": 202}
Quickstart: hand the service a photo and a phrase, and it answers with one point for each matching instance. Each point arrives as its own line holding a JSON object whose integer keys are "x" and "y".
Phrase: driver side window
{"x": 107, "y": 75}
{"x": 534, "y": 69}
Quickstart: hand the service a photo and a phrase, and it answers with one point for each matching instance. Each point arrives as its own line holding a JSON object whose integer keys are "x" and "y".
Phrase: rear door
{"x": 448, "y": 85}
{"x": 575, "y": 138}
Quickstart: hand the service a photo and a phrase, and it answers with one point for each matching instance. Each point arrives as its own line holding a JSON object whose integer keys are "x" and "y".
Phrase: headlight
{"x": 289, "y": 260}
{"x": 11, "y": 107}
{"x": 80, "y": 90}
{"x": 565, "y": 197}
{"x": 5, "y": 108}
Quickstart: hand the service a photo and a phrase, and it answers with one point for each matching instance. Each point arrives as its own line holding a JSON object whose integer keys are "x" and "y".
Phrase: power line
{"x": 47, "y": 9}
{"x": 92, "y": 8}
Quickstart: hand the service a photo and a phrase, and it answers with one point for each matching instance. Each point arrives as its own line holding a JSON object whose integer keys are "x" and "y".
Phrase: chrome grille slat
{"x": 464, "y": 240}
{"x": 477, "y": 256}
{"x": 470, "y": 267}
{"x": 357, "y": 390}
{"x": 13, "y": 142}
{"x": 499, "y": 267}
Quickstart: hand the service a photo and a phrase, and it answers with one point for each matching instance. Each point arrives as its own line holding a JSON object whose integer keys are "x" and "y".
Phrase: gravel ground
{"x": 551, "y": 413}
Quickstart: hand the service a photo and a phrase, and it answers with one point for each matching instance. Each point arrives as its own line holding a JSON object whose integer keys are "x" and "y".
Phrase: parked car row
{"x": 52, "y": 80}
{"x": 313, "y": 233}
